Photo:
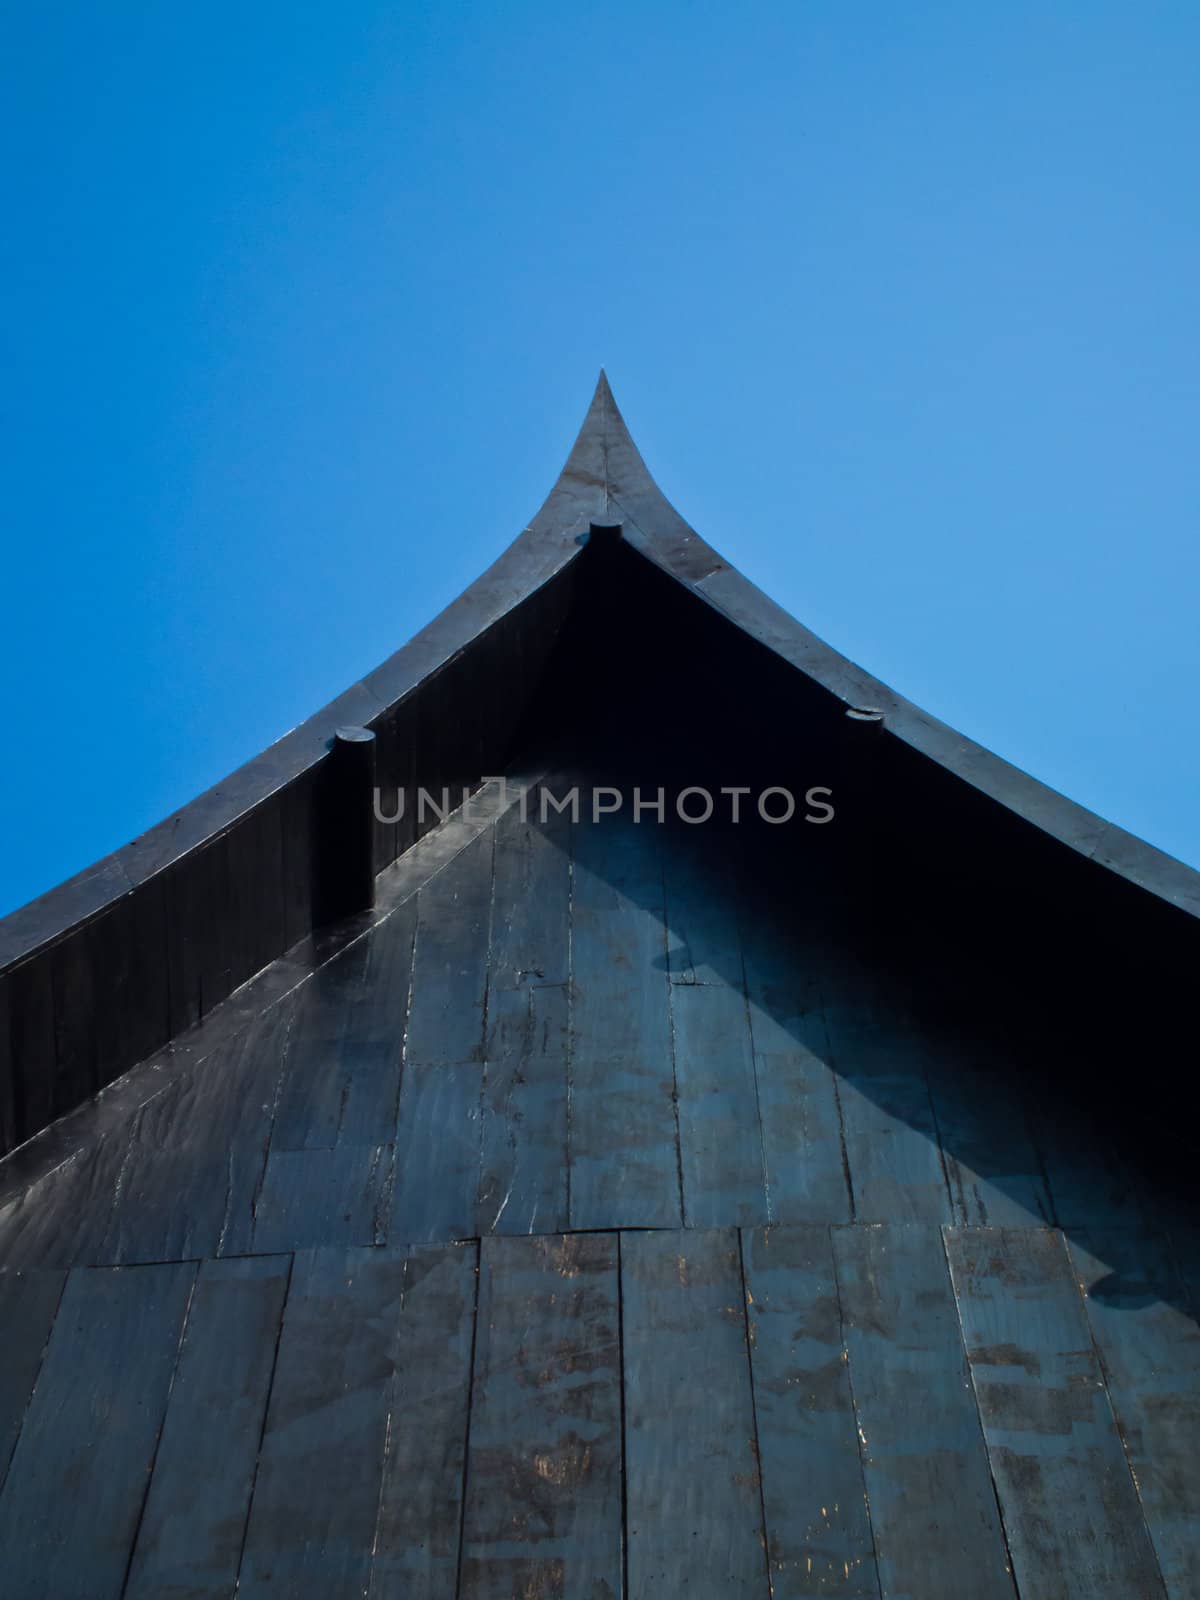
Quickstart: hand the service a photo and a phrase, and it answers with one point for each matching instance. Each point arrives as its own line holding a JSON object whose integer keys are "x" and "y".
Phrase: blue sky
{"x": 304, "y": 303}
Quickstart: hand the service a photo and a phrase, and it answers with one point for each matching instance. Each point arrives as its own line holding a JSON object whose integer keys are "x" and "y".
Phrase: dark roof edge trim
{"x": 657, "y": 531}
{"x": 548, "y": 544}
{"x": 605, "y": 478}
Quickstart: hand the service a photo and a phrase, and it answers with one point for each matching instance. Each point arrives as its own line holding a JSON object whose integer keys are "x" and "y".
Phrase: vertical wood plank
{"x": 623, "y": 1135}
{"x": 1049, "y": 1425}
{"x": 807, "y": 1178}
{"x": 523, "y": 1179}
{"x": 28, "y": 1302}
{"x": 1149, "y": 1345}
{"x": 435, "y": 1188}
{"x": 992, "y": 1166}
{"x": 446, "y": 1017}
{"x": 818, "y": 1527}
{"x": 32, "y": 1043}
{"x": 933, "y": 1510}
{"x": 891, "y": 1137}
{"x": 694, "y": 1514}
{"x": 190, "y": 1539}
{"x": 523, "y": 1175}
{"x": 316, "y": 1496}
{"x": 531, "y": 897}
{"x": 8, "y": 1090}
{"x": 720, "y": 1140}
{"x": 198, "y": 1150}
{"x": 703, "y": 902}
{"x": 343, "y": 1068}
{"x": 75, "y": 1487}
{"x": 62, "y": 1219}
{"x": 1091, "y": 1184}
{"x": 803, "y": 1158}
{"x": 419, "y": 1525}
{"x": 322, "y": 1197}
{"x": 543, "y": 1513}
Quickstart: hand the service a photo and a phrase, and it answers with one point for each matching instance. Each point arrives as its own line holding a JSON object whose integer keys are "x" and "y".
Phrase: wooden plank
{"x": 32, "y": 1043}
{"x": 128, "y": 956}
{"x": 818, "y": 1527}
{"x": 720, "y": 1139}
{"x": 435, "y": 1187}
{"x": 1046, "y": 1415}
{"x": 343, "y": 1069}
{"x": 190, "y": 1539}
{"x": 891, "y": 1136}
{"x": 623, "y": 1139}
{"x": 61, "y": 1220}
{"x": 807, "y": 1178}
{"x": 296, "y": 823}
{"x": 1091, "y": 1183}
{"x": 523, "y": 1174}
{"x": 543, "y": 1511}
{"x": 197, "y": 1152}
{"x": 28, "y": 1302}
{"x": 73, "y": 1496}
{"x": 323, "y": 1197}
{"x": 702, "y": 902}
{"x": 419, "y": 1526}
{"x": 531, "y": 898}
{"x": 803, "y": 1158}
{"x": 992, "y": 1166}
{"x": 446, "y": 1015}
{"x": 312, "y": 1518}
{"x": 373, "y": 1045}
{"x": 933, "y": 1510}
{"x": 9, "y": 1137}
{"x": 308, "y": 1110}
{"x": 1149, "y": 1345}
{"x": 694, "y": 1514}
{"x": 523, "y": 1177}
{"x": 73, "y": 968}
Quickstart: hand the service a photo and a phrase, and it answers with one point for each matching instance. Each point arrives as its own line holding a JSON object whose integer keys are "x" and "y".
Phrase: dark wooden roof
{"x": 613, "y": 1208}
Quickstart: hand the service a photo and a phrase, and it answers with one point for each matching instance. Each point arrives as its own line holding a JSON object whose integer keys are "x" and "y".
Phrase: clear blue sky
{"x": 303, "y": 305}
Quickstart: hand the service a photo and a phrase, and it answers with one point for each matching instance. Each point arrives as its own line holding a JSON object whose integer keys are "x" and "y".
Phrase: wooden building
{"x": 634, "y": 1201}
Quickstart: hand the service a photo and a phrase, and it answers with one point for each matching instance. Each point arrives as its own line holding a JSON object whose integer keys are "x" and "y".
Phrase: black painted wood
{"x": 623, "y": 1131}
{"x": 32, "y": 1049}
{"x": 196, "y": 1155}
{"x": 73, "y": 1497}
{"x": 523, "y": 1177}
{"x": 316, "y": 1496}
{"x": 189, "y": 1542}
{"x": 28, "y": 1303}
{"x": 818, "y": 1526}
{"x": 891, "y": 1136}
{"x": 693, "y": 1507}
{"x": 803, "y": 1151}
{"x": 933, "y": 1509}
{"x": 1051, "y": 1436}
{"x": 543, "y": 1512}
{"x": 446, "y": 1018}
{"x": 9, "y": 1137}
{"x": 342, "y": 1079}
{"x": 720, "y": 1138}
{"x": 1149, "y": 1347}
{"x": 435, "y": 1192}
{"x": 335, "y": 1196}
{"x": 703, "y": 896}
{"x": 993, "y": 1167}
{"x": 62, "y": 1219}
{"x": 419, "y": 1526}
